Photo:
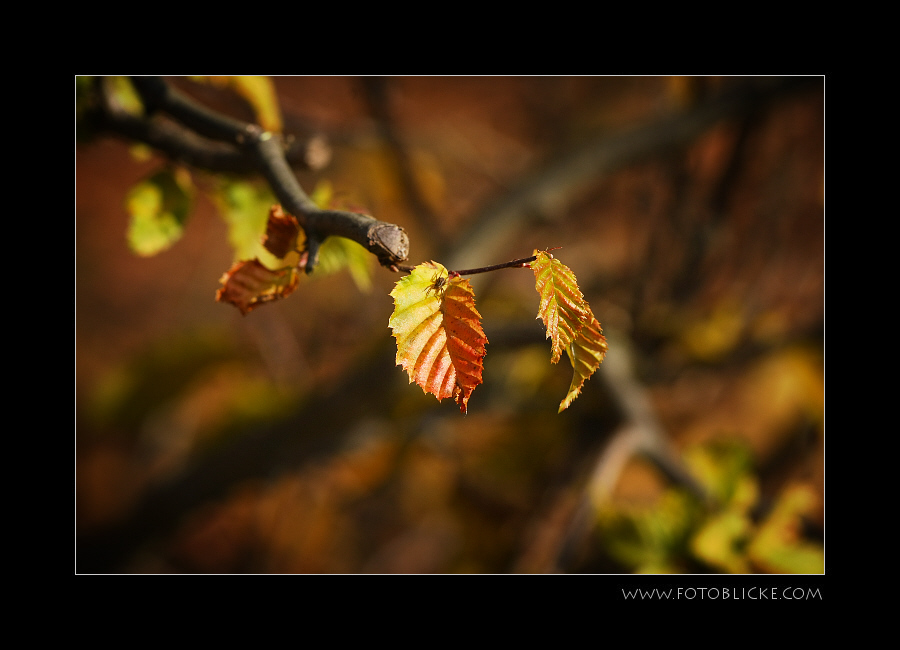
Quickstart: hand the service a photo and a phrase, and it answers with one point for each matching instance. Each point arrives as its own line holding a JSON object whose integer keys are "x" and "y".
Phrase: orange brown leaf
{"x": 440, "y": 341}
{"x": 249, "y": 284}
{"x": 283, "y": 233}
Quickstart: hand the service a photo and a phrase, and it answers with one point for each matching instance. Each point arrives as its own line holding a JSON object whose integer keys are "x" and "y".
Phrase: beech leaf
{"x": 562, "y": 307}
{"x": 283, "y": 233}
{"x": 249, "y": 284}
{"x": 440, "y": 341}
{"x": 586, "y": 354}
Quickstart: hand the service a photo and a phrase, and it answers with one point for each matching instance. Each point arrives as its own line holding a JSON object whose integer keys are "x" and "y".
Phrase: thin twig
{"x": 514, "y": 264}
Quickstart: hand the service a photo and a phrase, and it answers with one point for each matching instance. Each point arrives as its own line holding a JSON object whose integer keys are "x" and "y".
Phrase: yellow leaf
{"x": 562, "y": 306}
{"x": 586, "y": 354}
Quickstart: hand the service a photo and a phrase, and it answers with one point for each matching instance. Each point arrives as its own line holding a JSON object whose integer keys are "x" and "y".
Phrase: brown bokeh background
{"x": 692, "y": 213}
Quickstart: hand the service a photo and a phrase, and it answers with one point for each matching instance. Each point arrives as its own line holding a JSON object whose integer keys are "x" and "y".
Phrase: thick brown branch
{"x": 219, "y": 142}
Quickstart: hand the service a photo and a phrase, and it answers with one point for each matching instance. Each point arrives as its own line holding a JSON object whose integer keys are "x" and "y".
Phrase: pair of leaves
{"x": 250, "y": 283}
{"x": 441, "y": 344}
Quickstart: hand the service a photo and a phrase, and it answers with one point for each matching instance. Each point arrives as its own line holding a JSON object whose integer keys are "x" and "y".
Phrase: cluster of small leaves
{"x": 679, "y": 531}
{"x": 160, "y": 206}
{"x": 252, "y": 282}
{"x": 441, "y": 344}
{"x": 440, "y": 341}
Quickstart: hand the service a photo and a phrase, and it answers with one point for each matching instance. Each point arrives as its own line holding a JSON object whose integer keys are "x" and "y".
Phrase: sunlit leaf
{"x": 159, "y": 206}
{"x": 249, "y": 284}
{"x": 440, "y": 341}
{"x": 586, "y": 354}
{"x": 562, "y": 307}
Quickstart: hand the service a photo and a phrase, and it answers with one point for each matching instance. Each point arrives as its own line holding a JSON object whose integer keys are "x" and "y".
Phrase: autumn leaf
{"x": 440, "y": 341}
{"x": 570, "y": 323}
{"x": 586, "y": 354}
{"x": 249, "y": 284}
{"x": 562, "y": 307}
{"x": 283, "y": 233}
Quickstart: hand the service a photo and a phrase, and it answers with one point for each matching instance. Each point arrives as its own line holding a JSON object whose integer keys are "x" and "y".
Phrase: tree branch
{"x": 213, "y": 141}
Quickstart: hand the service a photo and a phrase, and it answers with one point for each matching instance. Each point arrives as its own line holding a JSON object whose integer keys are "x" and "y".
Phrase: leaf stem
{"x": 514, "y": 264}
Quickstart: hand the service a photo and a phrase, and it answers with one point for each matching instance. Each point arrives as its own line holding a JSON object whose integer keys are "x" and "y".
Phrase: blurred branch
{"x": 640, "y": 434}
{"x": 220, "y": 143}
{"x": 557, "y": 183}
{"x": 377, "y": 95}
{"x": 317, "y": 430}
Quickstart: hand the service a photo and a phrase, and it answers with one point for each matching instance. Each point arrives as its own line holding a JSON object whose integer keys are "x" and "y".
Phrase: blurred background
{"x": 691, "y": 210}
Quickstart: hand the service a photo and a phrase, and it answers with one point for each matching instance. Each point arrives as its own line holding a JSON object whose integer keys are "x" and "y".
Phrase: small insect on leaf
{"x": 438, "y": 284}
{"x": 440, "y": 341}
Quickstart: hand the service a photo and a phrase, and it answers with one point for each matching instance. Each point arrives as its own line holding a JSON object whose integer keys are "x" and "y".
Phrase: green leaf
{"x": 159, "y": 207}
